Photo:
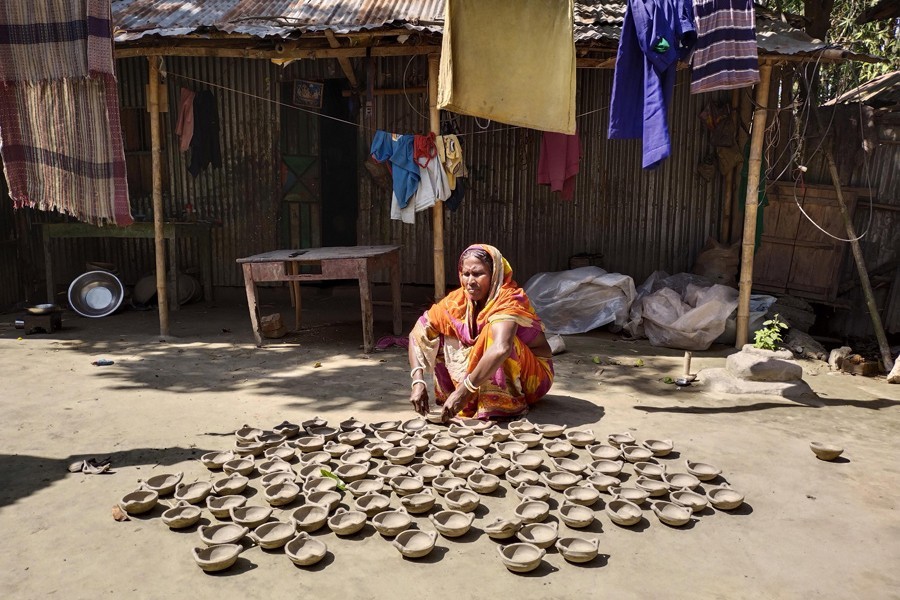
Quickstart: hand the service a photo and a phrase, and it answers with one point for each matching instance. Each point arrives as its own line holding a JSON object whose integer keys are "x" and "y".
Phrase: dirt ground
{"x": 808, "y": 528}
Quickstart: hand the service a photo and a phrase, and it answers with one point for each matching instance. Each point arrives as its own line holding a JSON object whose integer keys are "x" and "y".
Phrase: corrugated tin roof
{"x": 595, "y": 20}
{"x": 884, "y": 90}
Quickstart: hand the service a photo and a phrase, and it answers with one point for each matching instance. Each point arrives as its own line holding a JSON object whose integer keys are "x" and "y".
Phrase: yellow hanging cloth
{"x": 512, "y": 62}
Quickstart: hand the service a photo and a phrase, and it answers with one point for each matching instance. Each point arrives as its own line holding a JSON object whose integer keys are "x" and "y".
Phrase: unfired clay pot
{"x": 671, "y": 514}
{"x": 391, "y": 522}
{"x": 463, "y": 468}
{"x": 287, "y": 429}
{"x": 418, "y": 503}
{"x": 357, "y": 457}
{"x": 569, "y": 465}
{"x": 549, "y": 430}
{"x": 426, "y": 472}
{"x": 347, "y": 522}
{"x": 507, "y": 449}
{"x": 476, "y": 425}
{"x": 314, "y": 422}
{"x": 518, "y": 476}
{"x": 352, "y": 424}
{"x": 479, "y": 441}
{"x": 604, "y": 452}
{"x": 378, "y": 448}
{"x": 310, "y": 443}
{"x": 250, "y": 516}
{"x": 273, "y": 534}
{"x": 386, "y": 426}
{"x": 231, "y": 485}
{"x": 391, "y": 437}
{"x": 304, "y": 550}
{"x": 520, "y": 426}
{"x": 181, "y": 515}
{"x": 248, "y": 449}
{"x": 193, "y": 493}
{"x": 310, "y": 517}
{"x": 532, "y": 511}
{"x": 541, "y": 535}
{"x": 317, "y": 457}
{"x": 681, "y": 480}
{"x": 495, "y": 465}
{"x": 414, "y": 425}
{"x": 416, "y": 443}
{"x": 527, "y": 460}
{"x": 217, "y": 558}
{"x": 558, "y": 448}
{"x": 390, "y": 471}
{"x": 622, "y": 512}
{"x": 350, "y": 473}
{"x": 337, "y": 449}
{"x": 724, "y": 498}
{"x": 689, "y": 499}
{"x": 444, "y": 442}
{"x": 576, "y": 515}
{"x": 620, "y": 439}
{"x": 635, "y": 454}
{"x": 469, "y": 453}
{"x": 225, "y": 533}
{"x": 650, "y": 470}
{"x": 532, "y": 492}
{"x": 659, "y": 447}
{"x": 241, "y": 466}
{"x": 584, "y": 495}
{"x": 521, "y": 558}
{"x": 248, "y": 433}
{"x": 215, "y": 460}
{"x": 400, "y": 455}
{"x": 414, "y": 544}
{"x": 629, "y": 493}
{"x": 530, "y": 439}
{"x": 439, "y": 457}
{"x": 601, "y": 482}
{"x": 328, "y": 499}
{"x": 221, "y": 506}
{"x": 560, "y": 480}
{"x": 329, "y": 433}
{"x": 581, "y": 437}
{"x": 163, "y": 484}
{"x": 460, "y": 431}
{"x": 502, "y": 529}
{"x": 498, "y": 434}
{"x": 607, "y": 467}
{"x": 372, "y": 504}
{"x": 578, "y": 550}
{"x": 825, "y": 451}
{"x": 444, "y": 483}
{"x": 483, "y": 483}
{"x": 319, "y": 484}
{"x": 354, "y": 437}
{"x": 702, "y": 471}
{"x": 462, "y": 500}
{"x": 406, "y": 485}
{"x": 273, "y": 465}
{"x": 452, "y": 523}
{"x": 281, "y": 494}
{"x": 653, "y": 487}
{"x": 277, "y": 477}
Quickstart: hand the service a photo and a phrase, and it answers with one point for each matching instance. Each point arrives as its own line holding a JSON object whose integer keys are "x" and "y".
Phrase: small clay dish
{"x": 414, "y": 544}
{"x": 583, "y": 495}
{"x": 337, "y": 449}
{"x": 671, "y": 514}
{"x": 659, "y": 447}
{"x": 469, "y": 453}
{"x": 532, "y": 492}
{"x": 622, "y": 512}
{"x": 273, "y": 535}
{"x": 530, "y": 439}
{"x": 248, "y": 433}
{"x": 378, "y": 448}
{"x": 356, "y": 457}
{"x": 314, "y": 423}
{"x": 607, "y": 467}
{"x": 550, "y": 430}
{"x": 702, "y": 471}
{"x": 225, "y": 533}
{"x": 415, "y": 443}
{"x": 307, "y": 471}
{"x": 460, "y": 431}
{"x": 310, "y": 517}
{"x": 558, "y": 448}
{"x": 220, "y": 506}
{"x": 452, "y": 523}
{"x": 569, "y": 465}
{"x": 483, "y": 483}
{"x": 414, "y": 425}
{"x": 241, "y": 466}
{"x": 277, "y": 477}
{"x": 578, "y": 550}
{"x": 576, "y": 515}
{"x": 350, "y": 473}
{"x": 435, "y": 415}
{"x": 476, "y": 425}
{"x": 522, "y": 557}
{"x": 518, "y": 476}
{"x": 193, "y": 493}
{"x": 444, "y": 483}
{"x": 347, "y": 522}
{"x": 503, "y": 529}
{"x": 405, "y": 485}
{"x": 507, "y": 449}
{"x": 581, "y": 437}
{"x": 527, "y": 460}
{"x": 317, "y": 457}
{"x": 495, "y": 465}
{"x": 426, "y": 472}
{"x": 444, "y": 442}
{"x": 418, "y": 503}
{"x": 231, "y": 485}
{"x": 287, "y": 429}
{"x": 532, "y": 511}
{"x": 215, "y": 460}
{"x": 560, "y": 480}
{"x": 604, "y": 452}
{"x": 217, "y": 558}
{"x": 310, "y": 443}
{"x": 327, "y": 499}
{"x": 462, "y": 500}
{"x": 654, "y": 487}
{"x": 463, "y": 468}
{"x": 372, "y": 504}
{"x": 631, "y": 494}
{"x": 366, "y": 486}
{"x": 281, "y": 493}
{"x": 520, "y": 426}
{"x": 439, "y": 457}
{"x": 400, "y": 455}
{"x": 249, "y": 448}
{"x": 319, "y": 484}
{"x": 681, "y": 480}
{"x": 391, "y": 522}
{"x": 353, "y": 437}
{"x": 428, "y": 433}
{"x": 274, "y": 465}
{"x": 650, "y": 470}
{"x": 181, "y": 515}
{"x": 620, "y": 439}
{"x": 250, "y": 516}
{"x": 482, "y": 442}
{"x": 329, "y": 433}
{"x": 541, "y": 535}
{"x": 386, "y": 426}
{"x": 270, "y": 439}
{"x": 724, "y": 498}
{"x": 163, "y": 484}
{"x": 602, "y": 482}
{"x": 498, "y": 434}
{"x": 688, "y": 499}
{"x": 824, "y": 451}
{"x": 390, "y": 471}
{"x": 351, "y": 424}
{"x": 636, "y": 454}
{"x": 304, "y": 550}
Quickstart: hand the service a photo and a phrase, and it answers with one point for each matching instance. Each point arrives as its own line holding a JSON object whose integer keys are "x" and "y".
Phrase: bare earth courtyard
{"x": 808, "y": 529}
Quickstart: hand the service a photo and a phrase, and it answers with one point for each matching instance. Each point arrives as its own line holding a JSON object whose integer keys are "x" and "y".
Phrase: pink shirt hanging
{"x": 558, "y": 162}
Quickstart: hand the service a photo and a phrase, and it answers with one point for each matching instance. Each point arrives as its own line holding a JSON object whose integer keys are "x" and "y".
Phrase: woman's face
{"x": 475, "y": 279}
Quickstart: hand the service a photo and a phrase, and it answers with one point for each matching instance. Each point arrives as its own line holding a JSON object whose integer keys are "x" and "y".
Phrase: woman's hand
{"x": 454, "y": 403}
{"x": 419, "y": 398}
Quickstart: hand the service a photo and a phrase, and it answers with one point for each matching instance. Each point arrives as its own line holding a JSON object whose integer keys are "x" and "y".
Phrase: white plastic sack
{"x": 578, "y": 300}
{"x": 691, "y": 321}
{"x": 759, "y": 306}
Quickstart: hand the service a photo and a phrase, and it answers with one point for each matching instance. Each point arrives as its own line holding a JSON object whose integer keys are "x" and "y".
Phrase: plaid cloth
{"x": 725, "y": 55}
{"x": 60, "y": 132}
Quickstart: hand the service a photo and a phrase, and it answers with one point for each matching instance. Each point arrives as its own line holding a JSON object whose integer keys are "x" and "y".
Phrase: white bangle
{"x": 415, "y": 381}
{"x": 414, "y": 369}
{"x": 469, "y": 385}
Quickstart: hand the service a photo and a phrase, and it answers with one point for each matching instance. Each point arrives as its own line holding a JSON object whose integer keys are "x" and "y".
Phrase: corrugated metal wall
{"x": 640, "y": 221}
{"x": 10, "y": 289}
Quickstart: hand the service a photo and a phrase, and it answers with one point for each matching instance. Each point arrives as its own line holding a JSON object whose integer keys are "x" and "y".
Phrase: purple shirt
{"x": 655, "y": 34}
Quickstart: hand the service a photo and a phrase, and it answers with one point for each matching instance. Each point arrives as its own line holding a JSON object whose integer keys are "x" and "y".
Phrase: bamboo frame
{"x": 437, "y": 213}
{"x": 162, "y": 294}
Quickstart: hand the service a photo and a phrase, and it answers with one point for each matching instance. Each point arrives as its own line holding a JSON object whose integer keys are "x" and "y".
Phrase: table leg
{"x": 48, "y": 268}
{"x": 173, "y": 274}
{"x": 295, "y": 293}
{"x": 365, "y": 300}
{"x": 252, "y": 302}
{"x": 395, "y": 293}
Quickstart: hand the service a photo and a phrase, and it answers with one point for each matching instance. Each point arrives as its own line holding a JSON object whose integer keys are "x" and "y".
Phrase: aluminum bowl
{"x": 96, "y": 294}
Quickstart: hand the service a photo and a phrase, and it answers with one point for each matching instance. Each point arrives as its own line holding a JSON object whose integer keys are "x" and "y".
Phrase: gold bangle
{"x": 469, "y": 385}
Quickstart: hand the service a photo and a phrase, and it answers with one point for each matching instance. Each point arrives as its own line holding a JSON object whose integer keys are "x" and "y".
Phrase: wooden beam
{"x": 757, "y": 135}
{"x": 162, "y": 294}
{"x": 346, "y": 67}
{"x": 388, "y": 91}
{"x": 437, "y": 213}
{"x": 294, "y": 52}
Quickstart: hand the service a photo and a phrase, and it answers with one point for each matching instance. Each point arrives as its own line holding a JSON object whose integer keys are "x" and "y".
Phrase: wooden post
{"x": 727, "y": 204}
{"x": 751, "y": 203}
{"x": 437, "y": 213}
{"x": 162, "y": 295}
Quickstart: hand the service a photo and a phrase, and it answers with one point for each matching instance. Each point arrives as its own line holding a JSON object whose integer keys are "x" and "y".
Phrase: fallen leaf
{"x": 118, "y": 514}
{"x": 317, "y": 365}
{"x": 639, "y": 363}
{"x": 596, "y": 360}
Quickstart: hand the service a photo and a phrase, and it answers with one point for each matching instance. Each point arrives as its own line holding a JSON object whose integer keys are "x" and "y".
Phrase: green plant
{"x": 769, "y": 336}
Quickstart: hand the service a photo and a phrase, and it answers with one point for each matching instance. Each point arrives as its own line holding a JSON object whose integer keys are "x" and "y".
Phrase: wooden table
{"x": 338, "y": 262}
{"x": 171, "y": 231}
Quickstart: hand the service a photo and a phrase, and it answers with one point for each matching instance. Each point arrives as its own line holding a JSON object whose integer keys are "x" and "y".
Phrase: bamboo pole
{"x": 751, "y": 204}
{"x": 437, "y": 213}
{"x": 162, "y": 295}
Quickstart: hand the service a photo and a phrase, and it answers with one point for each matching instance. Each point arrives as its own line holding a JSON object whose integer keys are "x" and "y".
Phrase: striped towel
{"x": 60, "y": 132}
{"x": 725, "y": 55}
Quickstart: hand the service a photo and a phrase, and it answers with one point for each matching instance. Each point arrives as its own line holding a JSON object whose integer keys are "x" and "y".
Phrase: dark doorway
{"x": 340, "y": 192}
